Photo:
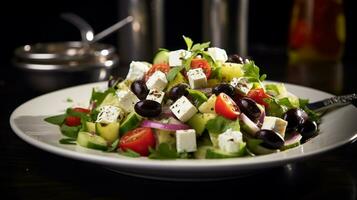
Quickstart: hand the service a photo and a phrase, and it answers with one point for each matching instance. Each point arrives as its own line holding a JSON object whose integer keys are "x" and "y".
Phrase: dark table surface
{"x": 29, "y": 173}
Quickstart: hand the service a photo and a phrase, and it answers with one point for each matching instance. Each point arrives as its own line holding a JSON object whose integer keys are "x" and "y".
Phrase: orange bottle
{"x": 317, "y": 30}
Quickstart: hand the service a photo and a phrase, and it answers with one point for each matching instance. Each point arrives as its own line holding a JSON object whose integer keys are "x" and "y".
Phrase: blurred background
{"x": 261, "y": 30}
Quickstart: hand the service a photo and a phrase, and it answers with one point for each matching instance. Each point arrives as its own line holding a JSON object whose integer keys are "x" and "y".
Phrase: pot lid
{"x": 63, "y": 51}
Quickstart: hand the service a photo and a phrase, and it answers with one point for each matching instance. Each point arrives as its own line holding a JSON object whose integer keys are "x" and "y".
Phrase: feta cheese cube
{"x": 186, "y": 140}
{"x": 197, "y": 78}
{"x": 155, "y": 95}
{"x": 137, "y": 71}
{"x": 176, "y": 57}
{"x": 276, "y": 124}
{"x": 157, "y": 81}
{"x": 230, "y": 141}
{"x": 242, "y": 85}
{"x": 183, "y": 109}
{"x": 109, "y": 114}
{"x": 218, "y": 54}
{"x": 127, "y": 100}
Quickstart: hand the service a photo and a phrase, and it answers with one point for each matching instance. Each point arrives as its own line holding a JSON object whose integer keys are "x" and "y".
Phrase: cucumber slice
{"x": 198, "y": 96}
{"x": 92, "y": 141}
{"x": 292, "y": 140}
{"x": 208, "y": 106}
{"x": 255, "y": 147}
{"x": 214, "y": 138}
{"x": 110, "y": 132}
{"x": 90, "y": 127}
{"x": 213, "y": 153}
{"x": 109, "y": 100}
{"x": 167, "y": 137}
{"x": 201, "y": 152}
{"x": 130, "y": 122}
{"x": 199, "y": 120}
{"x": 161, "y": 57}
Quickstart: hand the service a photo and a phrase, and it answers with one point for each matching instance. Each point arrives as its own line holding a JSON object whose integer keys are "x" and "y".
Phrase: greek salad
{"x": 194, "y": 103}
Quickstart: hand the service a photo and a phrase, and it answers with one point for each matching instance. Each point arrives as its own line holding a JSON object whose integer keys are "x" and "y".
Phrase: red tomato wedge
{"x": 75, "y": 121}
{"x": 138, "y": 140}
{"x": 201, "y": 63}
{"x": 258, "y": 95}
{"x": 226, "y": 107}
{"x": 72, "y": 121}
{"x": 164, "y": 67}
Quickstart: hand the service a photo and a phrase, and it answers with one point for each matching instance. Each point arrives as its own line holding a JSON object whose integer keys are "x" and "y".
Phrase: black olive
{"x": 235, "y": 58}
{"x": 249, "y": 108}
{"x": 178, "y": 91}
{"x": 295, "y": 118}
{"x": 226, "y": 88}
{"x": 148, "y": 108}
{"x": 113, "y": 81}
{"x": 140, "y": 89}
{"x": 271, "y": 139}
{"x": 308, "y": 129}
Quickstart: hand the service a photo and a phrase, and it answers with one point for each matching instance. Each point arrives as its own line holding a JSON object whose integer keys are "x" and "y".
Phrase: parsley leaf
{"x": 81, "y": 115}
{"x": 113, "y": 146}
{"x": 220, "y": 124}
{"x": 70, "y": 131}
{"x": 198, "y": 96}
{"x": 200, "y": 46}
{"x": 56, "y": 120}
{"x": 263, "y": 77}
{"x": 188, "y": 42}
{"x": 164, "y": 151}
{"x": 187, "y": 62}
{"x": 173, "y": 72}
{"x": 98, "y": 97}
{"x": 67, "y": 141}
{"x": 303, "y": 102}
{"x": 274, "y": 108}
{"x": 312, "y": 114}
{"x": 234, "y": 125}
{"x": 162, "y": 49}
{"x": 252, "y": 72}
{"x": 285, "y": 102}
{"x": 130, "y": 153}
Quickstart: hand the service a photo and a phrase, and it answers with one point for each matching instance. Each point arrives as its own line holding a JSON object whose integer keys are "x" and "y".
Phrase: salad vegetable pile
{"x": 194, "y": 103}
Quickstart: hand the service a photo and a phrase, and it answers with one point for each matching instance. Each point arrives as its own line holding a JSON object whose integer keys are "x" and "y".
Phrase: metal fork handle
{"x": 332, "y": 102}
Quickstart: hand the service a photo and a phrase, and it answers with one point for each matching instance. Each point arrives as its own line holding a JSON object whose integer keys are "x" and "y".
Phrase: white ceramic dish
{"x": 338, "y": 128}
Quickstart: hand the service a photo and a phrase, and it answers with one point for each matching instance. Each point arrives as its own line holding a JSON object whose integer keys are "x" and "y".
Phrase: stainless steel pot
{"x": 50, "y": 66}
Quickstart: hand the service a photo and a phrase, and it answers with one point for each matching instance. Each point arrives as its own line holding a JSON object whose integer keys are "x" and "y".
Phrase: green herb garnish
{"x": 130, "y": 153}
{"x": 188, "y": 42}
{"x": 56, "y": 120}
{"x": 113, "y": 146}
{"x": 173, "y": 72}
{"x": 70, "y": 131}
{"x": 164, "y": 151}
{"x": 70, "y": 141}
{"x": 220, "y": 124}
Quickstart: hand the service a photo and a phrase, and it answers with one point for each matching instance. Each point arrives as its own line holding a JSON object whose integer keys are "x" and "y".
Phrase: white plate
{"x": 338, "y": 127}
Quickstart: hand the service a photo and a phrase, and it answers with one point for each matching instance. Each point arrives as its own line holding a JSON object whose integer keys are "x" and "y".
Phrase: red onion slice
{"x": 163, "y": 126}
